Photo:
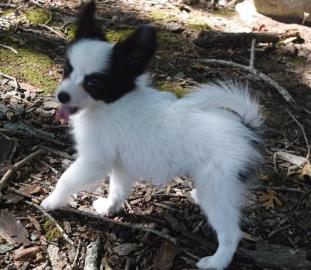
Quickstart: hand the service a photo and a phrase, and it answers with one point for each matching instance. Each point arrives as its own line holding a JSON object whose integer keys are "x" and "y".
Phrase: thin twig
{"x": 64, "y": 234}
{"x": 15, "y": 167}
{"x": 9, "y": 48}
{"x": 51, "y": 30}
{"x": 258, "y": 74}
{"x": 57, "y": 152}
{"x": 304, "y": 134}
{"x": 13, "y": 151}
{"x": 252, "y": 58}
{"x": 35, "y": 199}
{"x": 231, "y": 4}
{"x": 76, "y": 258}
{"x": 278, "y": 230}
{"x": 120, "y": 223}
{"x": 10, "y": 78}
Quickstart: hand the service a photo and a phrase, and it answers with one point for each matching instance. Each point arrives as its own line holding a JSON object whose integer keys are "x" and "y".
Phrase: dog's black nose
{"x": 63, "y": 97}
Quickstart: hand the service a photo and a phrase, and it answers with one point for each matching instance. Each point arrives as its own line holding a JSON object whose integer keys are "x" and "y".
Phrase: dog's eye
{"x": 91, "y": 82}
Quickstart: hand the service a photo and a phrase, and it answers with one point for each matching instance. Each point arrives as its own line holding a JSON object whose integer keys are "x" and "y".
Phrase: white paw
{"x": 104, "y": 206}
{"x": 53, "y": 202}
{"x": 194, "y": 196}
{"x": 209, "y": 263}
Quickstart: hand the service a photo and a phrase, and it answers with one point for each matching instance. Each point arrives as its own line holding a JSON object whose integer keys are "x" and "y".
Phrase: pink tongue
{"x": 64, "y": 112}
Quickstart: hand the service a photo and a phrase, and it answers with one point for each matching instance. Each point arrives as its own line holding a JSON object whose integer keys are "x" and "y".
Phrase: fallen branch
{"x": 120, "y": 223}
{"x": 15, "y": 167}
{"x": 64, "y": 234}
{"x": 304, "y": 135}
{"x": 9, "y": 48}
{"x": 57, "y": 152}
{"x": 207, "y": 39}
{"x": 258, "y": 74}
{"x": 92, "y": 256}
{"x": 19, "y": 128}
{"x": 291, "y": 158}
{"x": 8, "y": 5}
{"x": 16, "y": 85}
{"x": 52, "y": 30}
{"x": 252, "y": 58}
{"x": 74, "y": 264}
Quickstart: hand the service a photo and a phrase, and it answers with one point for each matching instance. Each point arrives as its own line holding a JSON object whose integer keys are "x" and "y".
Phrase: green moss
{"x": 38, "y": 16}
{"x": 28, "y": 65}
{"x": 223, "y": 12}
{"x": 51, "y": 232}
{"x": 161, "y": 15}
{"x": 7, "y": 12}
{"x": 116, "y": 35}
{"x": 170, "y": 86}
{"x": 199, "y": 26}
{"x": 70, "y": 31}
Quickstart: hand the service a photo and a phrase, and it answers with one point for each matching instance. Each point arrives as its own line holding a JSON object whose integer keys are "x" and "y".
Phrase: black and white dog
{"x": 125, "y": 127}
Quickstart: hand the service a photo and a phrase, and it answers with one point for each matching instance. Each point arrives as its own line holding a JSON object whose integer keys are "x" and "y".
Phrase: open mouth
{"x": 65, "y": 111}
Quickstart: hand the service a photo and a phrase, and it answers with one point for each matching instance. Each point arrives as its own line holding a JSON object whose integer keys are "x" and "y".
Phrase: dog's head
{"x": 96, "y": 70}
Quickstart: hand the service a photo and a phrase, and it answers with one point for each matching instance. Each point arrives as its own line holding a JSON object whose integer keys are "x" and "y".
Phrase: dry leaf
{"x": 269, "y": 199}
{"x": 30, "y": 189}
{"x": 35, "y": 223}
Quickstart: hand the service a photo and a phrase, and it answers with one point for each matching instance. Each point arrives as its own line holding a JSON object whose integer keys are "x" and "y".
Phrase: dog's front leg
{"x": 119, "y": 188}
{"x": 79, "y": 176}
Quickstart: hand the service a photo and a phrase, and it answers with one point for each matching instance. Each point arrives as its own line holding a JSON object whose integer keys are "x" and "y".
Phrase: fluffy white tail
{"x": 228, "y": 95}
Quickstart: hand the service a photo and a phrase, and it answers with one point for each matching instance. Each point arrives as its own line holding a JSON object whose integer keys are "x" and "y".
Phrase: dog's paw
{"x": 104, "y": 206}
{"x": 209, "y": 263}
{"x": 52, "y": 203}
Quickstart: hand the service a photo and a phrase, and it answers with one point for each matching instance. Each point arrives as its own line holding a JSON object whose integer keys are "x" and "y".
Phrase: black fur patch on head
{"x": 86, "y": 25}
{"x": 128, "y": 60}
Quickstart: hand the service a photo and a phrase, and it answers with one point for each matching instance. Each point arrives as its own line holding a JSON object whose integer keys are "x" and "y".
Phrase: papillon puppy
{"x": 125, "y": 127}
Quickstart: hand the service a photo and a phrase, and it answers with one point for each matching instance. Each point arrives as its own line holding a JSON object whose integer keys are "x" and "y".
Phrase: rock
{"x": 4, "y": 248}
{"x": 50, "y": 104}
{"x": 125, "y": 249}
{"x": 287, "y": 11}
{"x": 174, "y": 27}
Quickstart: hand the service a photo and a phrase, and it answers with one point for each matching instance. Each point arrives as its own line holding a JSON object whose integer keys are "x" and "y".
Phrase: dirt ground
{"x": 159, "y": 227}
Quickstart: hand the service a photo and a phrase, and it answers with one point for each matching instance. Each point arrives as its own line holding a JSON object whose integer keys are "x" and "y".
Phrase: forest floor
{"x": 172, "y": 231}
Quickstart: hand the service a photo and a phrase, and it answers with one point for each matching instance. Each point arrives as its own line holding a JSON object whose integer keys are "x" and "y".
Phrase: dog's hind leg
{"x": 119, "y": 188}
{"x": 220, "y": 197}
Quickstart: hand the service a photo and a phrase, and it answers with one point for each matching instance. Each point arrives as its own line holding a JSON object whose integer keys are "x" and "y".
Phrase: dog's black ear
{"x": 86, "y": 25}
{"x": 134, "y": 53}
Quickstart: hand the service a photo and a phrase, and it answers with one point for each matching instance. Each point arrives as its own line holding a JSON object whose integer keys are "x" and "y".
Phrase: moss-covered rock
{"x": 38, "y": 16}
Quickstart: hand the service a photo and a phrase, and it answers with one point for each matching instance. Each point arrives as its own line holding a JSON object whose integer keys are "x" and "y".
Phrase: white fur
{"x": 151, "y": 135}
